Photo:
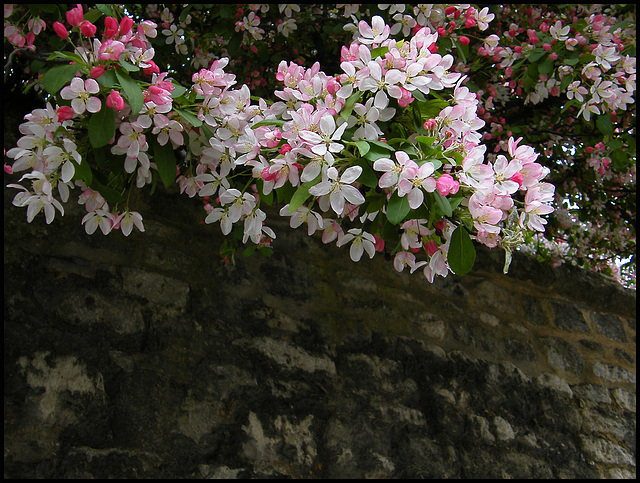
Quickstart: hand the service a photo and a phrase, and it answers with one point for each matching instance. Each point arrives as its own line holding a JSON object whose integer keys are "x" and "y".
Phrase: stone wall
{"x": 147, "y": 357}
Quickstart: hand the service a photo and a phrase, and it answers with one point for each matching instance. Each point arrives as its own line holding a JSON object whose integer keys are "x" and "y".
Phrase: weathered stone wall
{"x": 147, "y": 357}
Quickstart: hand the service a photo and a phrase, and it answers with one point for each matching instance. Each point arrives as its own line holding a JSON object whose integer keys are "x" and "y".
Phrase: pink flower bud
{"x": 74, "y": 16}
{"x": 96, "y": 71}
{"x": 431, "y": 247}
{"x": 447, "y": 185}
{"x": 8, "y": 169}
{"x": 110, "y": 27}
{"x": 464, "y": 40}
{"x": 406, "y": 97}
{"x": 152, "y": 69}
{"x": 125, "y": 25}
{"x": 333, "y": 86}
{"x": 60, "y": 30}
{"x": 430, "y": 124}
{"x": 64, "y": 113}
{"x": 266, "y": 175}
{"x": 518, "y": 178}
{"x": 87, "y": 29}
{"x": 379, "y": 244}
{"x": 115, "y": 100}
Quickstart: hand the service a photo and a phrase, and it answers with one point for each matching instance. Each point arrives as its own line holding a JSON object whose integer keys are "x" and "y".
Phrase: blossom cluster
{"x": 385, "y": 156}
{"x": 585, "y": 64}
{"x": 49, "y": 146}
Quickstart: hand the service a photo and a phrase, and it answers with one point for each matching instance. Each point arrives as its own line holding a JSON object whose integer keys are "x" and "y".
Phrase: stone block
{"x": 567, "y": 316}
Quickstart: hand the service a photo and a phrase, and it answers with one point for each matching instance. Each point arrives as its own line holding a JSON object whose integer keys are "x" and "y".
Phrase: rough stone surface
{"x": 146, "y": 357}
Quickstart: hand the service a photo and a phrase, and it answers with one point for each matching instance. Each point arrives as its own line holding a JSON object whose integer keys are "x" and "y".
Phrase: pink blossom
{"x": 406, "y": 259}
{"x": 362, "y": 241}
{"x": 377, "y": 33}
{"x": 413, "y": 231}
{"x": 16, "y": 38}
{"x": 91, "y": 199}
{"x": 100, "y": 218}
{"x": 339, "y": 189}
{"x": 391, "y": 170}
{"x": 128, "y": 220}
{"x": 152, "y": 68}
{"x": 132, "y": 139}
{"x": 157, "y": 95}
{"x": 413, "y": 180}
{"x": 79, "y": 93}
{"x": 437, "y": 266}
{"x": 111, "y": 50}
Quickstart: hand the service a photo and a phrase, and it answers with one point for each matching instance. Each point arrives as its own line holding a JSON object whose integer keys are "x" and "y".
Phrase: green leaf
{"x": 185, "y": 12}
{"x": 92, "y": 15}
{"x": 177, "y": 91}
{"x": 368, "y": 176}
{"x": 426, "y": 140}
{"x": 189, "y": 117}
{"x": 285, "y": 193}
{"x": 247, "y": 252}
{"x": 375, "y": 202}
{"x": 57, "y": 77}
{"x": 70, "y": 56}
{"x": 363, "y": 147}
{"x": 107, "y": 9}
{"x": 462, "y": 253}
{"x": 442, "y": 204}
{"x": 376, "y": 153}
{"x": 380, "y": 144}
{"x": 621, "y": 160}
{"x": 397, "y": 209}
{"x": 571, "y": 60}
{"x": 165, "y": 161}
{"x": 110, "y": 195}
{"x": 348, "y": 106}
{"x": 604, "y": 124}
{"x": 108, "y": 79}
{"x": 132, "y": 90}
{"x": 126, "y": 65}
{"x": 102, "y": 126}
{"x": 379, "y": 52}
{"x": 546, "y": 67}
{"x": 268, "y": 122}
{"x": 536, "y": 55}
{"x": 301, "y": 194}
{"x": 82, "y": 172}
